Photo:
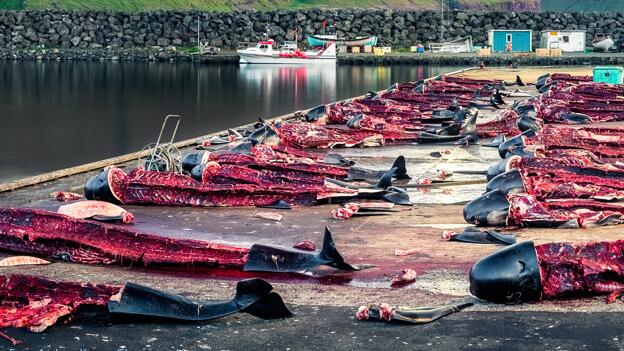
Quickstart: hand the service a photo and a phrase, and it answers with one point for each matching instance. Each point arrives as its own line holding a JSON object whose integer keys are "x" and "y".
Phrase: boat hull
{"x": 604, "y": 44}
{"x": 319, "y": 41}
{"x": 246, "y": 58}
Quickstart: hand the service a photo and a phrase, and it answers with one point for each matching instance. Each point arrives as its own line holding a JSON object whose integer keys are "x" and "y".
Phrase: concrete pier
{"x": 325, "y": 302}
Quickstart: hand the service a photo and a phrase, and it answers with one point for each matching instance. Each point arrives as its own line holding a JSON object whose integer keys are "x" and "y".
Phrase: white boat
{"x": 265, "y": 53}
{"x": 323, "y": 39}
{"x": 602, "y": 42}
{"x": 454, "y": 46}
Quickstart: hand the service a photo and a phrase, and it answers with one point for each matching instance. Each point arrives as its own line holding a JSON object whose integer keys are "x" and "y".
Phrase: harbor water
{"x": 60, "y": 114}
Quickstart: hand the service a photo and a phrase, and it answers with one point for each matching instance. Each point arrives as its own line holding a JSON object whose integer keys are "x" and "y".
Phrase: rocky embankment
{"x": 110, "y": 34}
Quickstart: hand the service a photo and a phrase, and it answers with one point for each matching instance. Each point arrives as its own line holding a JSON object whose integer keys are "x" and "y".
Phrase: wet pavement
{"x": 335, "y": 328}
{"x": 325, "y": 300}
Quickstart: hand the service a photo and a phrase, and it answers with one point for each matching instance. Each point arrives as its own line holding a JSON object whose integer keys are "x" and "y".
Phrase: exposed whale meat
{"x": 605, "y": 142}
{"x": 377, "y": 120}
{"x": 37, "y": 303}
{"x": 263, "y": 157}
{"x": 256, "y": 175}
{"x": 521, "y": 209}
{"x": 526, "y": 210}
{"x": 581, "y": 103}
{"x": 427, "y": 101}
{"x": 65, "y": 196}
{"x": 306, "y": 245}
{"x": 505, "y": 123}
{"x": 52, "y": 235}
{"x": 393, "y": 112}
{"x": 304, "y": 135}
{"x": 406, "y": 277}
{"x": 403, "y": 314}
{"x": 570, "y": 177}
{"x": 525, "y": 272}
{"x": 479, "y": 83}
{"x": 221, "y": 185}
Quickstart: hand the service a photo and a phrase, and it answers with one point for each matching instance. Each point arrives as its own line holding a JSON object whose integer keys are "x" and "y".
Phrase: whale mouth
{"x": 501, "y": 167}
{"x": 510, "y": 275}
{"x": 508, "y": 182}
{"x": 193, "y": 160}
{"x": 491, "y": 208}
{"x": 264, "y": 135}
{"x": 526, "y": 122}
{"x": 515, "y": 143}
{"x": 316, "y": 113}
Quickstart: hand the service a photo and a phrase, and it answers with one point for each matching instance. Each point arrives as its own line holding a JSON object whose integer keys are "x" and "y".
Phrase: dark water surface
{"x": 56, "y": 115}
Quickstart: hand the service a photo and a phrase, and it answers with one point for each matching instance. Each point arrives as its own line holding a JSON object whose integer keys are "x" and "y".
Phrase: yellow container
{"x": 355, "y": 50}
{"x": 413, "y": 48}
{"x": 556, "y": 52}
{"x": 542, "y": 52}
{"x": 484, "y": 52}
{"x": 522, "y": 54}
{"x": 378, "y": 51}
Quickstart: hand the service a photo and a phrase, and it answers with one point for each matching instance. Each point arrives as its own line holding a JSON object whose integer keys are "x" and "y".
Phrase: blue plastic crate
{"x": 608, "y": 74}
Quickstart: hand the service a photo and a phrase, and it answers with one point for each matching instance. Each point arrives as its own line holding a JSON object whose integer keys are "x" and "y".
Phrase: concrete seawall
{"x": 230, "y": 57}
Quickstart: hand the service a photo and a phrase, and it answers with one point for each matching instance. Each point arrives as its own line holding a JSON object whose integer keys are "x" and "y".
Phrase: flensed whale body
{"x": 508, "y": 182}
{"x": 491, "y": 208}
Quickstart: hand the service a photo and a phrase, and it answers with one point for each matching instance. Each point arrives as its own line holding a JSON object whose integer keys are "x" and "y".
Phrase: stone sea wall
{"x": 397, "y": 28}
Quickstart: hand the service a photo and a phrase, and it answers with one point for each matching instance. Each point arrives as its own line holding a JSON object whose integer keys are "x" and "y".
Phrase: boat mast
{"x": 442, "y": 20}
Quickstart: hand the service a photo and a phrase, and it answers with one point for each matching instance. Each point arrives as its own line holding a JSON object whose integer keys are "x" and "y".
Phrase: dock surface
{"x": 325, "y": 301}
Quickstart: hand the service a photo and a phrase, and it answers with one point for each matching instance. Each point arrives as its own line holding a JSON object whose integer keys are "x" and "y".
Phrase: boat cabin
{"x": 566, "y": 40}
{"x": 510, "y": 40}
{"x": 265, "y": 45}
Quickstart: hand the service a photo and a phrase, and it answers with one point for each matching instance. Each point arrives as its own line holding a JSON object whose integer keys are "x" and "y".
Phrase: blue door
{"x": 499, "y": 41}
{"x": 521, "y": 41}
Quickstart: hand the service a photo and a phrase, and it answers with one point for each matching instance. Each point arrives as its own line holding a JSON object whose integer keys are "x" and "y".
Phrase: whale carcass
{"x": 528, "y": 272}
{"x": 57, "y": 236}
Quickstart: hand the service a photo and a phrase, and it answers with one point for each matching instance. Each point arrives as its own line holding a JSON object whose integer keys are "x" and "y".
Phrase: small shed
{"x": 510, "y": 40}
{"x": 566, "y": 40}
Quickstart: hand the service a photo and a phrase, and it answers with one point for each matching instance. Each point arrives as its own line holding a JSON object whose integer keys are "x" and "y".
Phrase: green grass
{"x": 11, "y": 4}
{"x": 584, "y": 5}
{"x": 129, "y": 5}
{"x": 226, "y": 5}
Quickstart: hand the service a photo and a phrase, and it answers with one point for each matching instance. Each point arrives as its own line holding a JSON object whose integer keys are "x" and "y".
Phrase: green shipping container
{"x": 611, "y": 75}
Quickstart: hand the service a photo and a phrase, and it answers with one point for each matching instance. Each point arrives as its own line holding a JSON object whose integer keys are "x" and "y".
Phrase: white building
{"x": 566, "y": 40}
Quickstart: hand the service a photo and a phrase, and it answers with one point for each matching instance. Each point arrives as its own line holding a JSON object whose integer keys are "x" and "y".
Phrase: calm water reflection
{"x": 55, "y": 115}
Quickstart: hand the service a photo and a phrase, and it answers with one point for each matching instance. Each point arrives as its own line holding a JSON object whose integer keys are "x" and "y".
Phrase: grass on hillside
{"x": 584, "y": 5}
{"x": 11, "y": 4}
